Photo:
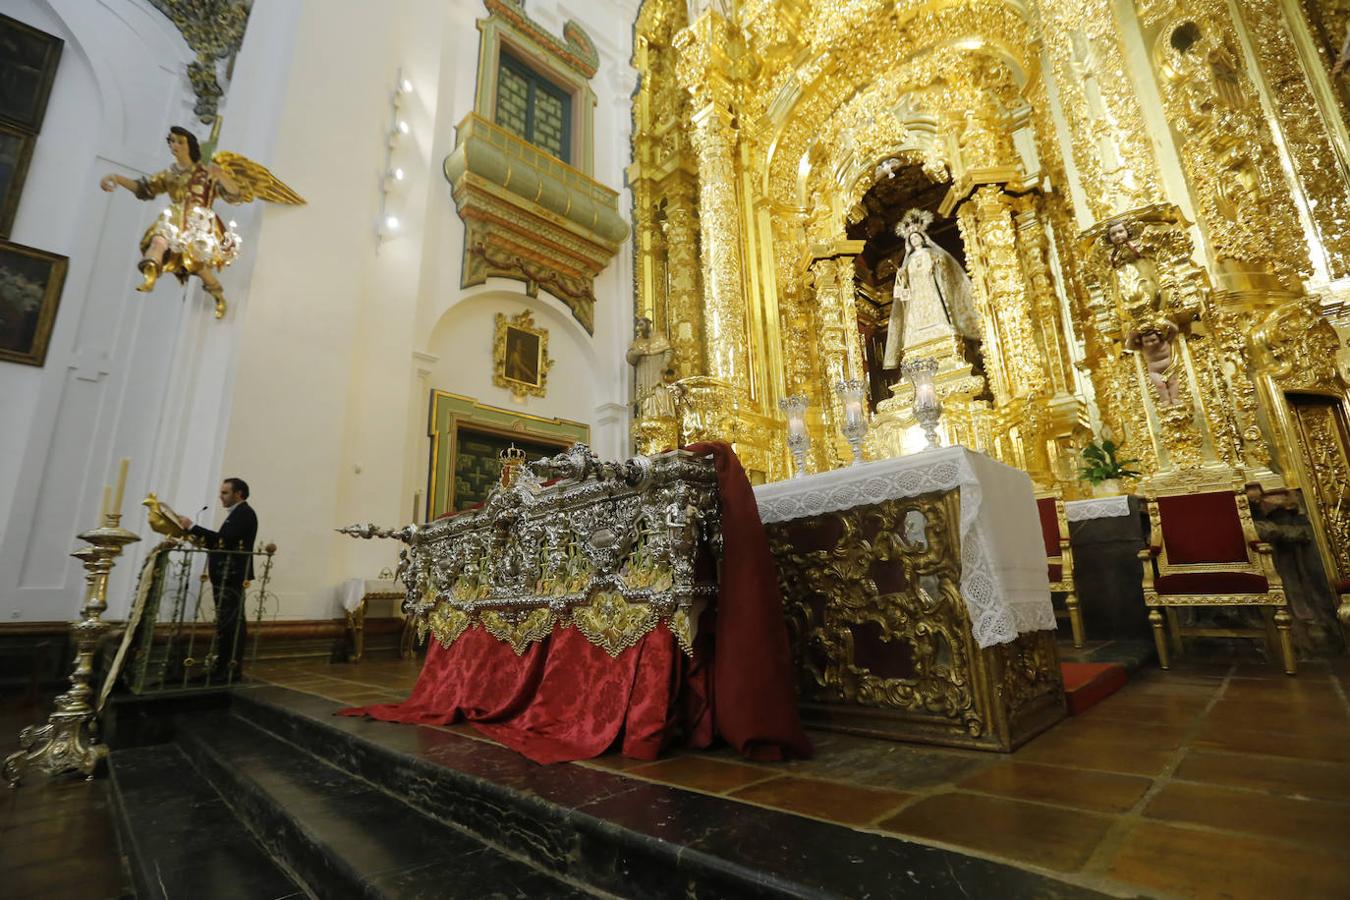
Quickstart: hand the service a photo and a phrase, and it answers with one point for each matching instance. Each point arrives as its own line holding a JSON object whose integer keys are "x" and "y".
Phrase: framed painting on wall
{"x": 28, "y": 60}
{"x": 467, "y": 438}
{"x": 16, "y": 149}
{"x": 30, "y": 291}
{"x": 520, "y": 360}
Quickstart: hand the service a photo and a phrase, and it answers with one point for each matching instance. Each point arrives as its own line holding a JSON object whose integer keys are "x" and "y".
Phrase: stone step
{"x": 343, "y": 836}
{"x": 629, "y": 837}
{"x": 181, "y": 838}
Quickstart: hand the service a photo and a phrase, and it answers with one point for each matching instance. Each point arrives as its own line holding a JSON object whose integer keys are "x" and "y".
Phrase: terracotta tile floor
{"x": 1226, "y": 781}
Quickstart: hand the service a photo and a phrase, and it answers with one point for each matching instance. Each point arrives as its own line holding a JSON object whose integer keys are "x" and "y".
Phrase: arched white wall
{"x": 315, "y": 386}
{"x": 462, "y": 344}
{"x": 116, "y": 90}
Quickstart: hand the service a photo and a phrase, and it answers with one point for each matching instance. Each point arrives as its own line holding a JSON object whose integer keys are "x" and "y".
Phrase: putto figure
{"x": 188, "y": 238}
{"x": 1153, "y": 341}
{"x": 932, "y": 295}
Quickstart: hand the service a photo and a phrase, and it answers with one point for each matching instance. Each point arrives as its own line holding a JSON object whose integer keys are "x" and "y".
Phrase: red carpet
{"x": 1087, "y": 684}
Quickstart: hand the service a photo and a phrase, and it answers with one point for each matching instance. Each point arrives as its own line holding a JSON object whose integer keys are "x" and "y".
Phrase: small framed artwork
{"x": 16, "y": 149}
{"x": 520, "y": 356}
{"x": 30, "y": 291}
{"x": 28, "y": 60}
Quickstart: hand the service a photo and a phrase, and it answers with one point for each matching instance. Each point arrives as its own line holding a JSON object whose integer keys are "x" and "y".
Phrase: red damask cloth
{"x": 565, "y": 699}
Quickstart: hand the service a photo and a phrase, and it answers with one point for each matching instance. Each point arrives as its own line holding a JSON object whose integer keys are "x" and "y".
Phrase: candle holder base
{"x": 928, "y": 419}
{"x": 69, "y": 739}
{"x": 67, "y": 742}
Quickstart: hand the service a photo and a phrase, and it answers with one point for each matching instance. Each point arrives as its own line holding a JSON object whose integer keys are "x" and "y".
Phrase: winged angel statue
{"x": 188, "y": 238}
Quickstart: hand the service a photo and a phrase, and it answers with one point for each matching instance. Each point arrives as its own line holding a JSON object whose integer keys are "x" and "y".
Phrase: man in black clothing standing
{"x": 229, "y": 567}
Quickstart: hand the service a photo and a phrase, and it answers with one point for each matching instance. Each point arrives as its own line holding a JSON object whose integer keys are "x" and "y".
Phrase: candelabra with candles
{"x": 798, "y": 440}
{"x": 69, "y": 739}
{"x": 851, "y": 393}
{"x": 927, "y": 404}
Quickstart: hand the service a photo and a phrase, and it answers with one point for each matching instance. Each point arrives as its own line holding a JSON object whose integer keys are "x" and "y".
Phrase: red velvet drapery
{"x": 566, "y": 699}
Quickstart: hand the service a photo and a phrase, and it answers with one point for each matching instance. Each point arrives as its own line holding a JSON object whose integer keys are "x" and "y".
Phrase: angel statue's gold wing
{"x": 255, "y": 181}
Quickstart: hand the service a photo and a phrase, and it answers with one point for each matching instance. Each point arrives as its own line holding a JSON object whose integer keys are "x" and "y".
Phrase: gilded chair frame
{"x": 1260, "y": 561}
{"x": 1066, "y": 584}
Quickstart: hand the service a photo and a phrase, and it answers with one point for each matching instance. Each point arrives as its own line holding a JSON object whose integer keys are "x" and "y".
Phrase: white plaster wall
{"x": 315, "y": 386}
{"x": 119, "y": 86}
{"x": 346, "y": 336}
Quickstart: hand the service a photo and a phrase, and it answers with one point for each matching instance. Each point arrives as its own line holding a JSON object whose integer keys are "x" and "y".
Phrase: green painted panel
{"x": 461, "y": 426}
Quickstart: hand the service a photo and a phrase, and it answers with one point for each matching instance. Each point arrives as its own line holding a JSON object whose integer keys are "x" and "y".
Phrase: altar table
{"x": 917, "y": 599}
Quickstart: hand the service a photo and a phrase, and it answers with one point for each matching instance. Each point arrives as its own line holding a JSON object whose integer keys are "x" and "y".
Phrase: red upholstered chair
{"x": 1204, "y": 551}
{"x": 1059, "y": 556}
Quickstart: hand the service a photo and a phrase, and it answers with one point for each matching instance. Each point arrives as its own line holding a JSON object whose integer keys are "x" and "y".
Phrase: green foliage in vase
{"x": 1100, "y": 463}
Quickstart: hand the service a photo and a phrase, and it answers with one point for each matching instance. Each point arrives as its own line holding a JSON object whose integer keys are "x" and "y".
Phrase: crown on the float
{"x": 912, "y": 221}
{"x": 512, "y": 456}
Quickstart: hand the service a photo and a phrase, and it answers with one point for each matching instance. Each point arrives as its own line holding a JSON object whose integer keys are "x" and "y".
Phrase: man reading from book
{"x": 229, "y": 567}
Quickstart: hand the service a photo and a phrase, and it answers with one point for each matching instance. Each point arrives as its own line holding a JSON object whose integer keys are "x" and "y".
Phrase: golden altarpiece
{"x": 1150, "y": 199}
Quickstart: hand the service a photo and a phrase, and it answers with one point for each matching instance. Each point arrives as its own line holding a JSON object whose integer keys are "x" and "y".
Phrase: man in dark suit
{"x": 229, "y": 567}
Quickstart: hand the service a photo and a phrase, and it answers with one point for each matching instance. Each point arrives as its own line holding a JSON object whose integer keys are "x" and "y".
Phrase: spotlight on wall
{"x": 402, "y": 126}
{"x": 404, "y": 86}
{"x": 390, "y": 224}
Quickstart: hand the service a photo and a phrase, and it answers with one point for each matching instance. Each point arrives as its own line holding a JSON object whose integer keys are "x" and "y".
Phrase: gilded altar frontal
{"x": 1122, "y": 220}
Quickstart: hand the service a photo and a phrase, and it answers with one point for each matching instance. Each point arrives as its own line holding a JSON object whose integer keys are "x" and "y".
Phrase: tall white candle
{"x": 121, "y": 485}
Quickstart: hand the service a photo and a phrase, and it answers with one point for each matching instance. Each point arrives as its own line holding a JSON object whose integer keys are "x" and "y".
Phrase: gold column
{"x": 1226, "y": 149}
{"x": 705, "y": 71}
{"x": 1016, "y": 367}
{"x": 1064, "y": 415}
{"x": 832, "y": 270}
{"x": 1307, "y": 119}
{"x": 685, "y": 300}
{"x": 1111, "y": 150}
{"x": 654, "y": 303}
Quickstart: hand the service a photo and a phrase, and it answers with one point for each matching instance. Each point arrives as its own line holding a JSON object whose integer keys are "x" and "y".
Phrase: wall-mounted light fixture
{"x": 394, "y": 174}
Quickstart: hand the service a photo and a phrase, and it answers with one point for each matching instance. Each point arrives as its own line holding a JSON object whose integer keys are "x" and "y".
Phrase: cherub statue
{"x": 188, "y": 238}
{"x": 1136, "y": 274}
{"x": 1153, "y": 341}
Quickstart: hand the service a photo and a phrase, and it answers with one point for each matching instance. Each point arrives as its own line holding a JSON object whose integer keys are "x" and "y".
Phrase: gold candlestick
{"x": 69, "y": 740}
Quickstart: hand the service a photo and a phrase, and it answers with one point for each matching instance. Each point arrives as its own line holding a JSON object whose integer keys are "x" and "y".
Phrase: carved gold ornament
{"x": 611, "y": 549}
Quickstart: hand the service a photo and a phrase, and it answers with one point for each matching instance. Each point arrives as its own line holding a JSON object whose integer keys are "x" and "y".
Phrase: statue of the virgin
{"x": 932, "y": 294}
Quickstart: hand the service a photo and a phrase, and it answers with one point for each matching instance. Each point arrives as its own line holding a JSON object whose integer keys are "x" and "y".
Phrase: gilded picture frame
{"x": 520, "y": 361}
{"x": 30, "y": 292}
{"x": 16, "y": 151}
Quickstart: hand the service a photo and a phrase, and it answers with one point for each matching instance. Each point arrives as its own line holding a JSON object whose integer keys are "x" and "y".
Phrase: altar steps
{"x": 349, "y": 805}
{"x": 231, "y": 811}
{"x": 181, "y": 838}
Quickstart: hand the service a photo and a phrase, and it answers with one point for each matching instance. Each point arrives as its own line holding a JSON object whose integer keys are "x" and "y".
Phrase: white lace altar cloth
{"x": 1004, "y": 580}
{"x": 1096, "y": 508}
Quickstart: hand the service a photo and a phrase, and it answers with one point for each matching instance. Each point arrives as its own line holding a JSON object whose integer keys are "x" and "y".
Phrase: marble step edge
{"x": 288, "y": 834}
{"x": 147, "y": 861}
{"x": 553, "y": 835}
{"x": 530, "y": 817}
